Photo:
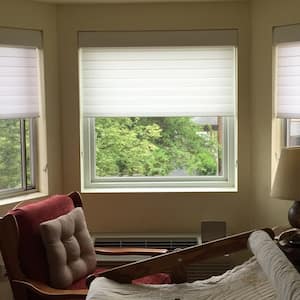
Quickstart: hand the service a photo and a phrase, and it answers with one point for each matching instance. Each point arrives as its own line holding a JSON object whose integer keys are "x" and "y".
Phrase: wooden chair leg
{"x": 19, "y": 292}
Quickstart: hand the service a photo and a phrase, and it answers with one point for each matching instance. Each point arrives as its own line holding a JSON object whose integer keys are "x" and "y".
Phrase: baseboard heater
{"x": 195, "y": 271}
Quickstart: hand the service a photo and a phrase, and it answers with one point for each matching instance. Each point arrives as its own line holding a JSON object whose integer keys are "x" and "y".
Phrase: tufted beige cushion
{"x": 69, "y": 248}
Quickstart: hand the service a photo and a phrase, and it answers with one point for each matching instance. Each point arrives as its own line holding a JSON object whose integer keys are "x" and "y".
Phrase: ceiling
{"x": 128, "y": 1}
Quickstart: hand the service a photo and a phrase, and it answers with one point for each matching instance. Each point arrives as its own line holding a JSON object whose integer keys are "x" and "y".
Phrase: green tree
{"x": 154, "y": 147}
{"x": 10, "y": 157}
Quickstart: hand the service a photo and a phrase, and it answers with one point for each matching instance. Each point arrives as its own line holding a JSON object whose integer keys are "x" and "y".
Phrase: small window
{"x": 158, "y": 117}
{"x": 19, "y": 108}
{"x": 17, "y": 155}
{"x": 286, "y": 40}
{"x": 292, "y": 132}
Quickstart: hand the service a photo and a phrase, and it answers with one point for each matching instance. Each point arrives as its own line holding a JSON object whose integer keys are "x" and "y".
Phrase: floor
{"x": 5, "y": 292}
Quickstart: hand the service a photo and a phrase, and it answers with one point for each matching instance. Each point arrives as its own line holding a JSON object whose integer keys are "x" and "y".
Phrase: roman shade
{"x": 19, "y": 73}
{"x": 286, "y": 40}
{"x": 158, "y": 74}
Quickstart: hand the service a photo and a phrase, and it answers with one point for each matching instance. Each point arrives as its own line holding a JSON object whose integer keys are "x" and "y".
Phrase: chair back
{"x": 20, "y": 241}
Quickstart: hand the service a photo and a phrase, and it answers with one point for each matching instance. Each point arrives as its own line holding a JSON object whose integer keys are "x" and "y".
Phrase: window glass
{"x": 293, "y": 132}
{"x": 16, "y": 156}
{"x": 158, "y": 146}
{"x": 10, "y": 155}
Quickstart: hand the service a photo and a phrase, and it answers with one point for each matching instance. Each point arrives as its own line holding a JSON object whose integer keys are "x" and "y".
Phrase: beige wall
{"x": 157, "y": 212}
{"x": 25, "y": 14}
{"x": 265, "y": 15}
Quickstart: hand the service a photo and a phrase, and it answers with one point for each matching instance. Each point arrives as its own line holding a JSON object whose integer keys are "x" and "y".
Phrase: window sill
{"x": 161, "y": 190}
{"x": 21, "y": 198}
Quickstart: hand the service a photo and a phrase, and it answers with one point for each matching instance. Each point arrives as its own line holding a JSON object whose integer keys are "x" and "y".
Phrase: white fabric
{"x": 19, "y": 82}
{"x": 158, "y": 81}
{"x": 244, "y": 282}
{"x": 279, "y": 270}
{"x": 288, "y": 80}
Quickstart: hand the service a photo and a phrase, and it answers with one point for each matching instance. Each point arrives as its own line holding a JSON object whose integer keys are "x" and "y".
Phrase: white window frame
{"x": 91, "y": 183}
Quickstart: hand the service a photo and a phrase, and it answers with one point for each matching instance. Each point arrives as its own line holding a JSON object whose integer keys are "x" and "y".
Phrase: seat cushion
{"x": 159, "y": 278}
{"x": 32, "y": 254}
{"x": 69, "y": 248}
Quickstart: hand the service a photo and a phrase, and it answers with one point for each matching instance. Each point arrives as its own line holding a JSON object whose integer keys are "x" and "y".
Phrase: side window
{"x": 292, "y": 132}
{"x": 19, "y": 102}
{"x": 286, "y": 41}
{"x": 17, "y": 155}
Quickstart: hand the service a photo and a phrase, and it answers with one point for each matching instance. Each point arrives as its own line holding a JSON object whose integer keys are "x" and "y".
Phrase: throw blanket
{"x": 279, "y": 270}
{"x": 246, "y": 282}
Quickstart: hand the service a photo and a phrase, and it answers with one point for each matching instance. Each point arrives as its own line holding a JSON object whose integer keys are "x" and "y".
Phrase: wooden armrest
{"x": 129, "y": 251}
{"x": 127, "y": 273}
{"x": 278, "y": 230}
{"x": 43, "y": 289}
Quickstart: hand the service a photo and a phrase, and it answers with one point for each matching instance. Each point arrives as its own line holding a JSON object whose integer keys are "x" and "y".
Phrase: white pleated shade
{"x": 288, "y": 80}
{"x": 286, "y": 183}
{"x": 19, "y": 83}
{"x": 158, "y": 81}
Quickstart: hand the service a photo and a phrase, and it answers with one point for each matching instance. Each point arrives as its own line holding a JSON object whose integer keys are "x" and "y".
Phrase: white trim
{"x": 25, "y": 196}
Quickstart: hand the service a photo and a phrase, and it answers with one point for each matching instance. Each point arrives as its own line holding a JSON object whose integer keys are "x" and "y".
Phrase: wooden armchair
{"x": 176, "y": 261}
{"x": 25, "y": 257}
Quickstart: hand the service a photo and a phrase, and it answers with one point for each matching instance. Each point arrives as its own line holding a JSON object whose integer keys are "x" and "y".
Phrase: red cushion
{"x": 31, "y": 250}
{"x": 160, "y": 278}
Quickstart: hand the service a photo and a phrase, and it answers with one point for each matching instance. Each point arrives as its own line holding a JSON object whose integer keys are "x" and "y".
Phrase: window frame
{"x": 32, "y": 39}
{"x": 226, "y": 183}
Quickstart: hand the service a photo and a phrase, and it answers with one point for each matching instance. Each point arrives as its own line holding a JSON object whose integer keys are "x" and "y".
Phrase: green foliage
{"x": 154, "y": 147}
{"x": 10, "y": 158}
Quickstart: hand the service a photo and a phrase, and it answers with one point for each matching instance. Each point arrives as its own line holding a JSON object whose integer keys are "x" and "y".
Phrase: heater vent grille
{"x": 169, "y": 243}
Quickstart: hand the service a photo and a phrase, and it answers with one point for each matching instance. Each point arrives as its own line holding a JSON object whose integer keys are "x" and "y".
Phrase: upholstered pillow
{"x": 69, "y": 248}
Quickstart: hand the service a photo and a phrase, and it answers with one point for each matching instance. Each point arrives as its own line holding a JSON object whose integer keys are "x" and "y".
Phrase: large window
{"x": 287, "y": 81}
{"x": 19, "y": 108}
{"x": 158, "y": 116}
